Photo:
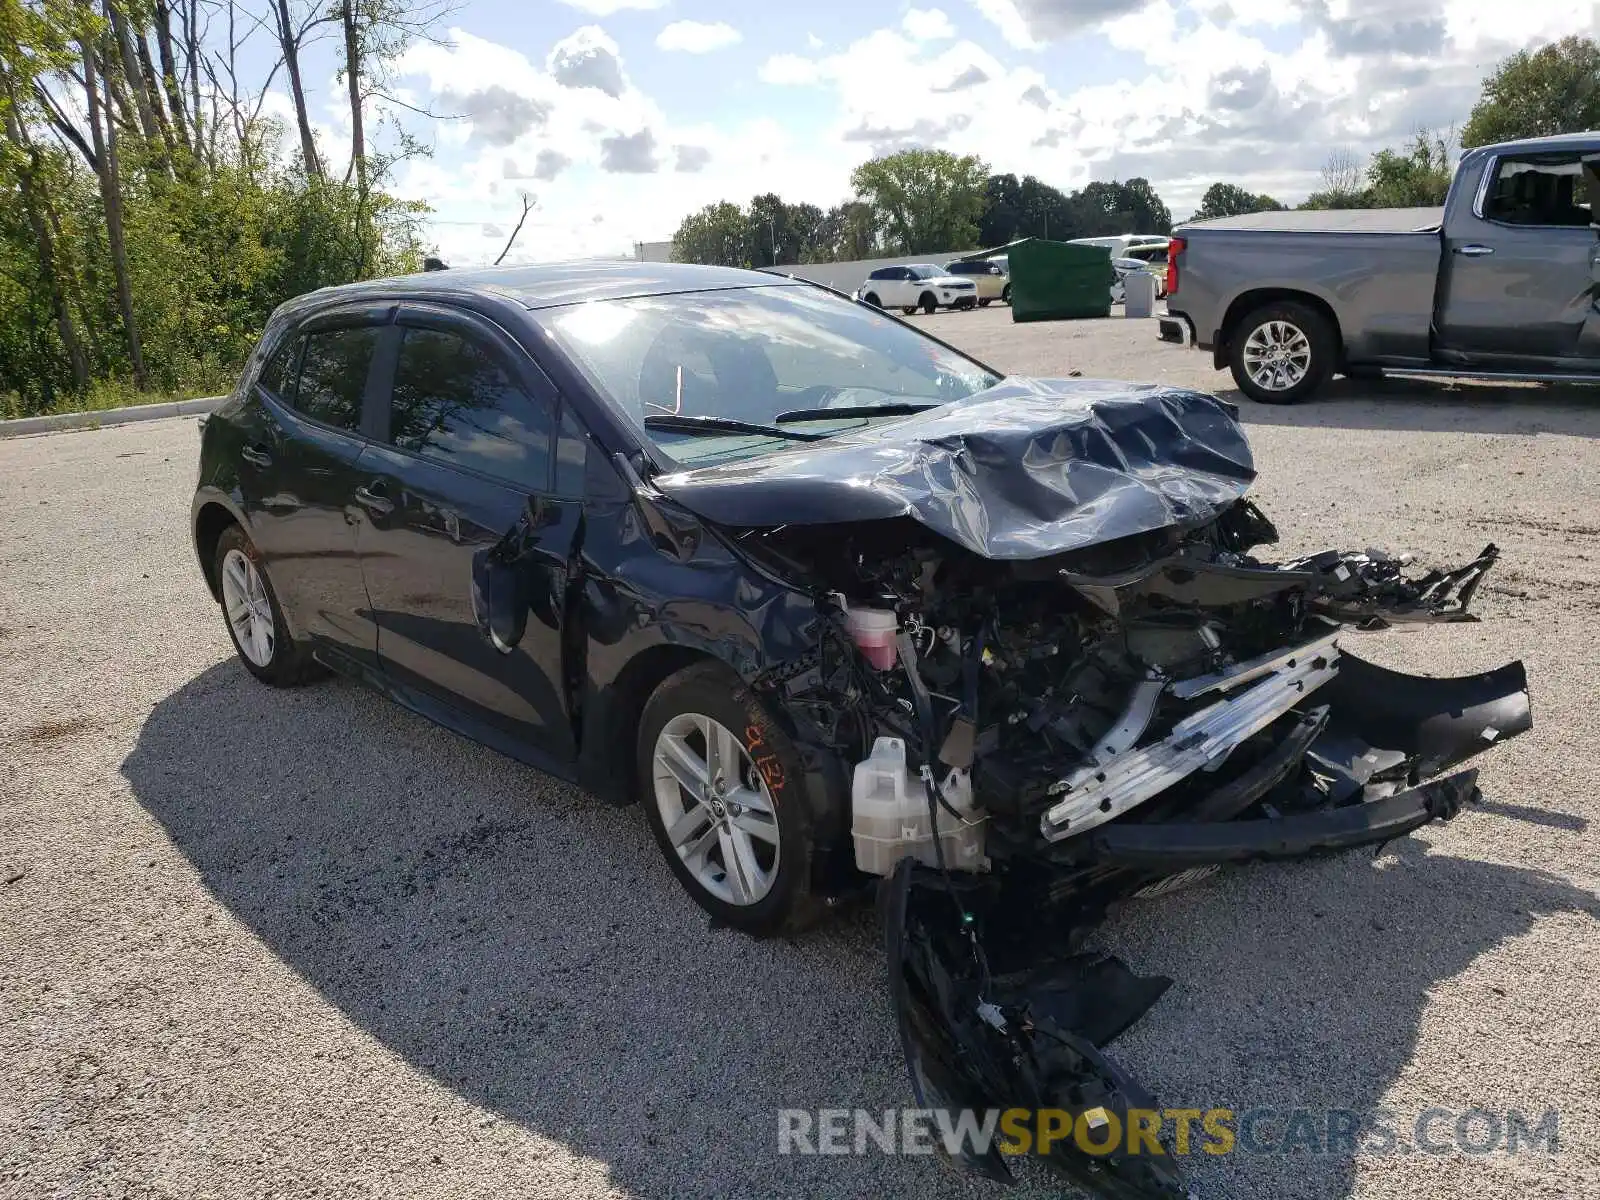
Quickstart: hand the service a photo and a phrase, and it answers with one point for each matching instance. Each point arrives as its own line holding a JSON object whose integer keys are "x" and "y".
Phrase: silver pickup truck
{"x": 1503, "y": 282}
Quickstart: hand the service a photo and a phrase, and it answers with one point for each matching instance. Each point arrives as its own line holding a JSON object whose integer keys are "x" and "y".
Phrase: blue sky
{"x": 621, "y": 116}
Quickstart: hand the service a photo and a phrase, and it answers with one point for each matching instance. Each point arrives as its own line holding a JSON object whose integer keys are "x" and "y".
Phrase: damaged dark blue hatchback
{"x": 836, "y": 602}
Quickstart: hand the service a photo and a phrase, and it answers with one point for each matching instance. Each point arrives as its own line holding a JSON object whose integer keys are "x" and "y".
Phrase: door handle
{"x": 256, "y": 454}
{"x": 372, "y": 498}
{"x": 1474, "y": 251}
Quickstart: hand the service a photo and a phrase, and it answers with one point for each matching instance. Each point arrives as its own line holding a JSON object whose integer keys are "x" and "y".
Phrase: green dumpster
{"x": 1051, "y": 281}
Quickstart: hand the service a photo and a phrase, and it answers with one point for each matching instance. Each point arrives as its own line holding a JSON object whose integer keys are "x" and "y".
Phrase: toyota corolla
{"x": 836, "y": 604}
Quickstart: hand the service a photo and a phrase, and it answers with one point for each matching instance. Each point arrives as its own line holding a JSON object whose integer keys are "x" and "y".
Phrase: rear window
{"x": 968, "y": 268}
{"x": 333, "y": 375}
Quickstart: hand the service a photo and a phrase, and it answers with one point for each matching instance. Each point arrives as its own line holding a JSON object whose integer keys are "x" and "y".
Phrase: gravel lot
{"x": 292, "y": 944}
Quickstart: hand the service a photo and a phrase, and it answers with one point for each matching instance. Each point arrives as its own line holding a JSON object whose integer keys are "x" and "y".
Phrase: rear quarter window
{"x": 333, "y": 375}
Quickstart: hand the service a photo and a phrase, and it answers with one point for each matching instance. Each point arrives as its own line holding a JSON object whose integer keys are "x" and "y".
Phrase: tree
{"x": 1554, "y": 89}
{"x": 1044, "y": 211}
{"x": 1102, "y": 209}
{"x": 924, "y": 200}
{"x": 1231, "y": 200}
{"x": 1342, "y": 183}
{"x": 1002, "y": 214}
{"x": 716, "y": 235}
{"x": 1417, "y": 177}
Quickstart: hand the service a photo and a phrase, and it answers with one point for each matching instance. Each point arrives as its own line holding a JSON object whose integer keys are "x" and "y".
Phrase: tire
{"x": 1304, "y": 335}
{"x": 908, "y": 309}
{"x": 930, "y": 304}
{"x": 872, "y": 299}
{"x": 983, "y": 304}
{"x": 778, "y": 894}
{"x": 1005, "y": 293}
{"x": 271, "y": 655}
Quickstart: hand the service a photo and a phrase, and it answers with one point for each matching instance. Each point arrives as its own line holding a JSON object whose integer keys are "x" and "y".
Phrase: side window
{"x": 455, "y": 404}
{"x": 880, "y": 273}
{"x": 333, "y": 375}
{"x": 1543, "y": 190}
{"x": 278, "y": 376}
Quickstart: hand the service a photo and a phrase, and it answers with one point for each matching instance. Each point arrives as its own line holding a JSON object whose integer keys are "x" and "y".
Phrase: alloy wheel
{"x": 244, "y": 599}
{"x": 1277, "y": 355}
{"x": 716, "y": 809}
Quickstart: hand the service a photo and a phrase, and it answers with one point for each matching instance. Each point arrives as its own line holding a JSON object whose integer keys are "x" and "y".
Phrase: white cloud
{"x": 1004, "y": 16}
{"x": 697, "y": 37}
{"x": 814, "y": 42}
{"x": 789, "y": 69}
{"x": 605, "y": 8}
{"x": 927, "y": 24}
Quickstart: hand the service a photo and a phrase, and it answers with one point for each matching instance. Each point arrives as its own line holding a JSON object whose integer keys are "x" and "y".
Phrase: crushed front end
{"x": 1040, "y": 739}
{"x": 1067, "y": 675}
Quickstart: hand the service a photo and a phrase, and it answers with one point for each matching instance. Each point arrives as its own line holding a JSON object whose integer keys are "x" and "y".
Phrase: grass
{"x": 106, "y": 394}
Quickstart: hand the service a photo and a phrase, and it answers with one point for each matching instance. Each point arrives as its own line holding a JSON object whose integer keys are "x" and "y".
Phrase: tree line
{"x": 928, "y": 201}
{"x": 916, "y": 201}
{"x": 153, "y": 214}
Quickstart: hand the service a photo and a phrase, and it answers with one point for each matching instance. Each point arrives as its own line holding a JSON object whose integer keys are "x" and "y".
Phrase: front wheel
{"x": 724, "y": 794}
{"x": 1005, "y": 294}
{"x": 983, "y": 304}
{"x": 930, "y": 304}
{"x": 1281, "y": 353}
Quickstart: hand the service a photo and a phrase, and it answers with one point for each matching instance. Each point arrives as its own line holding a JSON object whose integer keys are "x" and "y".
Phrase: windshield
{"x": 752, "y": 355}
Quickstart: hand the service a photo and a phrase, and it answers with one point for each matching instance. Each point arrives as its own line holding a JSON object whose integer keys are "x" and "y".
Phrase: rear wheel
{"x": 254, "y": 619}
{"x": 983, "y": 304}
{"x": 929, "y": 302}
{"x": 1281, "y": 353}
{"x": 872, "y": 299}
{"x": 723, "y": 792}
{"x": 1005, "y": 293}
{"x": 908, "y": 309}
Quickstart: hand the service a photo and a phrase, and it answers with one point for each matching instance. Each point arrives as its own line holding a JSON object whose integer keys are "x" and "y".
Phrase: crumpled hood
{"x": 1029, "y": 468}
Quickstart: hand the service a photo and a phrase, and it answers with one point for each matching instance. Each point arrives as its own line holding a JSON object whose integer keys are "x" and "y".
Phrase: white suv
{"x": 919, "y": 285}
{"x": 989, "y": 274}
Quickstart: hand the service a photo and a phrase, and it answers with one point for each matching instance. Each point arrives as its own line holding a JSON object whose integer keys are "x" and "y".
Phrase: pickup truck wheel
{"x": 723, "y": 791}
{"x": 1281, "y": 353}
{"x": 929, "y": 304}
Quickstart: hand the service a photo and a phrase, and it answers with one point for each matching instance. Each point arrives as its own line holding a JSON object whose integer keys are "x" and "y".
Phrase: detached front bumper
{"x": 996, "y": 1011}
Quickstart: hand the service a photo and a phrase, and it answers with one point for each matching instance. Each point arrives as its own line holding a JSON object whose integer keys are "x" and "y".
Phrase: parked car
{"x": 990, "y": 275}
{"x": 1503, "y": 282}
{"x": 837, "y": 604}
{"x": 919, "y": 285}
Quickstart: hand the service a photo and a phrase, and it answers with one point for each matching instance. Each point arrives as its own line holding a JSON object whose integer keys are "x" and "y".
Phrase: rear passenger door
{"x": 471, "y": 528}
{"x": 304, "y": 432}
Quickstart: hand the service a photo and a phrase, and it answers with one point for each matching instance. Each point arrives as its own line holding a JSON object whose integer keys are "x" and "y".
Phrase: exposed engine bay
{"x": 1086, "y": 727}
{"x": 1067, "y": 674}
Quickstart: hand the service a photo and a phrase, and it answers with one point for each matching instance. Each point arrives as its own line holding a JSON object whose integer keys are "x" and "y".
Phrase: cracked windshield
{"x": 720, "y": 376}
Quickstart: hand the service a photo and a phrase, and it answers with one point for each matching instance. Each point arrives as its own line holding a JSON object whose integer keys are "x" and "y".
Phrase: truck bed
{"x": 1349, "y": 220}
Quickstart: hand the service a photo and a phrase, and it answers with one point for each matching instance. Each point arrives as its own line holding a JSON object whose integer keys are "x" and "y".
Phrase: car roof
{"x": 1555, "y": 142}
{"x": 547, "y": 285}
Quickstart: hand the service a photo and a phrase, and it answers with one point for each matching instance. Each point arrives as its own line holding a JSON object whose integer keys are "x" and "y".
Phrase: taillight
{"x": 1174, "y": 248}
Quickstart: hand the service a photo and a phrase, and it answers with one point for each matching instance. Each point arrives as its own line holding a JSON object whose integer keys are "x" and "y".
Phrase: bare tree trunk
{"x": 169, "y": 74}
{"x": 191, "y": 50}
{"x": 358, "y": 134}
{"x": 32, "y": 208}
{"x": 289, "y": 40}
{"x": 153, "y": 95}
{"x": 105, "y": 148}
{"x": 132, "y": 73}
{"x": 527, "y": 204}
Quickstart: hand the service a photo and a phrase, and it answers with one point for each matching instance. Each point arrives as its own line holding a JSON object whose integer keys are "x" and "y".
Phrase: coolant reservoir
{"x": 889, "y": 815}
